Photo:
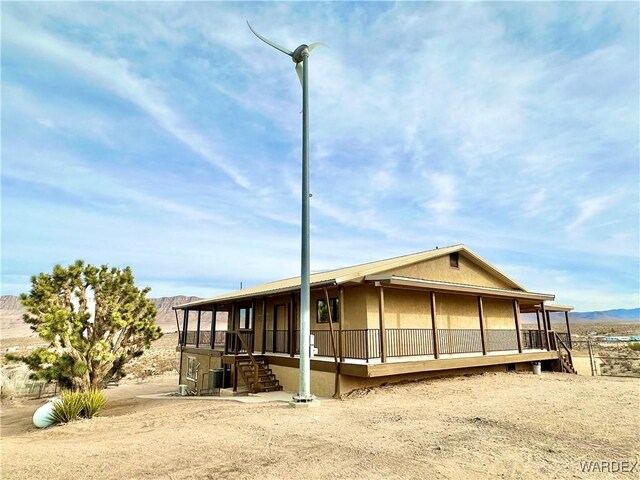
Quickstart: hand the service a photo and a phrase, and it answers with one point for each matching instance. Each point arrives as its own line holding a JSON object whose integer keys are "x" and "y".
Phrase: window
{"x": 192, "y": 369}
{"x": 454, "y": 260}
{"x": 322, "y": 312}
{"x": 246, "y": 317}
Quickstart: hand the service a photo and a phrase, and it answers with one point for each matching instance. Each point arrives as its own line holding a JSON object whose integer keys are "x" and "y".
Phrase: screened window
{"x": 322, "y": 311}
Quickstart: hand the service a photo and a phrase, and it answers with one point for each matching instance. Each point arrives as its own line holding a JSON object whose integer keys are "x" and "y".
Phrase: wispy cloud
{"x": 115, "y": 75}
{"x": 510, "y": 127}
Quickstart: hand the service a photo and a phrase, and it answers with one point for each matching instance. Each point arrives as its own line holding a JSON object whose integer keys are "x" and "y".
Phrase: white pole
{"x": 304, "y": 384}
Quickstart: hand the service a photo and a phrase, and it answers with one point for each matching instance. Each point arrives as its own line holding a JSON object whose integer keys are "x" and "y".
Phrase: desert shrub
{"x": 68, "y": 407}
{"x": 73, "y": 405}
{"x": 92, "y": 402}
{"x": 635, "y": 346}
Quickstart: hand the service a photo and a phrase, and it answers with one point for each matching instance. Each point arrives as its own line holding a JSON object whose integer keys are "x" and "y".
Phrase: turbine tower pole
{"x": 304, "y": 393}
{"x": 300, "y": 57}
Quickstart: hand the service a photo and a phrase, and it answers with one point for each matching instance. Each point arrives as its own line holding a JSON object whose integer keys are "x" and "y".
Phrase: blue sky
{"x": 165, "y": 136}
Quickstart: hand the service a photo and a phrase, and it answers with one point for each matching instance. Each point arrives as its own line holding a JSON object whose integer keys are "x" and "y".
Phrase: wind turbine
{"x": 300, "y": 57}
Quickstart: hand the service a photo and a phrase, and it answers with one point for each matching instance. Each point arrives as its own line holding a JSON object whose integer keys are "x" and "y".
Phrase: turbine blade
{"x": 317, "y": 44}
{"x": 269, "y": 42}
{"x": 299, "y": 68}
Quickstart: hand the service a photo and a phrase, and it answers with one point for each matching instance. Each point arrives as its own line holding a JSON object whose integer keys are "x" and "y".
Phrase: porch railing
{"x": 533, "y": 339}
{"x": 233, "y": 344}
{"x": 205, "y": 338}
{"x": 364, "y": 344}
{"x": 459, "y": 340}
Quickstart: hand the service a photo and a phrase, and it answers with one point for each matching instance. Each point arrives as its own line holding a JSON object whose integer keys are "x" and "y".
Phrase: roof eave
{"x": 457, "y": 288}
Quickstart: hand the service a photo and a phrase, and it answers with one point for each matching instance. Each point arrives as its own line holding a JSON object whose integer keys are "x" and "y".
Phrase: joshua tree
{"x": 95, "y": 320}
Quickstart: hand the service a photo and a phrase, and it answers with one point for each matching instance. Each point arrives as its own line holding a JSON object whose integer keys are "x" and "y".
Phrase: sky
{"x": 165, "y": 136}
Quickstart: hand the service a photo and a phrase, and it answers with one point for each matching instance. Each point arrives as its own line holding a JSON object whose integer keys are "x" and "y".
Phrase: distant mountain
{"x": 11, "y": 311}
{"x": 617, "y": 315}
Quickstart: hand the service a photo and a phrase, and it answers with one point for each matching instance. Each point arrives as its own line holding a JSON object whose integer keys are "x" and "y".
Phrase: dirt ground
{"x": 506, "y": 425}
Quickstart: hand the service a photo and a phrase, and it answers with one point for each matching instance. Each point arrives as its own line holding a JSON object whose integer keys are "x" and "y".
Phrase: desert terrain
{"x": 504, "y": 425}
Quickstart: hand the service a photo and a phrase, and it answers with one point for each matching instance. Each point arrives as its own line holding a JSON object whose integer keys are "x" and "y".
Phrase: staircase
{"x": 564, "y": 356}
{"x": 267, "y": 381}
{"x": 566, "y": 365}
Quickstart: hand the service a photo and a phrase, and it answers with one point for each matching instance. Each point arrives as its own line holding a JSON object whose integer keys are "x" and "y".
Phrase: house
{"x": 442, "y": 311}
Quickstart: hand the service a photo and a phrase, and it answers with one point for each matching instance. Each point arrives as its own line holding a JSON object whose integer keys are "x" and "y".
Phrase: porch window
{"x": 192, "y": 369}
{"x": 246, "y": 317}
{"x": 322, "y": 312}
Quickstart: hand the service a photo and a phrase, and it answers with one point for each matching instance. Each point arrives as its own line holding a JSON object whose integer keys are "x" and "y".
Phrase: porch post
{"x": 198, "y": 328}
{"x": 232, "y": 326}
{"x": 548, "y": 320}
{"x": 185, "y": 326}
{"x": 213, "y": 326}
{"x": 483, "y": 336}
{"x": 434, "y": 325}
{"x": 253, "y": 325}
{"x": 340, "y": 320}
{"x": 566, "y": 319}
{"x": 538, "y": 319}
{"x": 264, "y": 325}
{"x": 383, "y": 332}
{"x": 516, "y": 317}
{"x": 291, "y": 330}
{"x": 544, "y": 322}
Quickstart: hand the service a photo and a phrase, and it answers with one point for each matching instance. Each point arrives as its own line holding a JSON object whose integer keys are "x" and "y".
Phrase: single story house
{"x": 442, "y": 311}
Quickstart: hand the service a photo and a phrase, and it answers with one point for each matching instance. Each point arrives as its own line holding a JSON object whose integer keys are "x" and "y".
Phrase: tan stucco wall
{"x": 406, "y": 309}
{"x": 498, "y": 313}
{"x": 206, "y": 362}
{"x": 439, "y": 269}
{"x": 456, "y": 311}
{"x": 323, "y": 383}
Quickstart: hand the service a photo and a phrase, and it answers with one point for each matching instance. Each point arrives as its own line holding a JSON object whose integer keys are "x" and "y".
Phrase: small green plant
{"x": 93, "y": 401}
{"x": 68, "y": 407}
{"x": 73, "y": 405}
{"x": 635, "y": 346}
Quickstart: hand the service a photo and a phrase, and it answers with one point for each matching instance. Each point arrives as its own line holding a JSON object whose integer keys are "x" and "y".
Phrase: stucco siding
{"x": 439, "y": 269}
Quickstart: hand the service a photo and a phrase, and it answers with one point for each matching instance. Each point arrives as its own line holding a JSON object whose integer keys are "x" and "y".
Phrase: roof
{"x": 439, "y": 286}
{"x": 355, "y": 273}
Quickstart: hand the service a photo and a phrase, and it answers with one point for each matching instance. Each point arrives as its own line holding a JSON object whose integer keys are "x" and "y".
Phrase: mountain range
{"x": 12, "y": 326}
{"x": 11, "y": 311}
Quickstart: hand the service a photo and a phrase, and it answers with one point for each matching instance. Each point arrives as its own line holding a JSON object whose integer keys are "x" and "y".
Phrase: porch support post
{"x": 213, "y": 326}
{"x": 566, "y": 319}
{"x": 185, "y": 326}
{"x": 231, "y": 327}
{"x": 264, "y": 325}
{"x": 538, "y": 319}
{"x": 340, "y": 323}
{"x": 548, "y": 316}
{"x": 516, "y": 317}
{"x": 253, "y": 325}
{"x": 198, "y": 328}
{"x": 483, "y": 335}
{"x": 383, "y": 332}
{"x": 291, "y": 329}
{"x": 544, "y": 322}
{"x": 434, "y": 325}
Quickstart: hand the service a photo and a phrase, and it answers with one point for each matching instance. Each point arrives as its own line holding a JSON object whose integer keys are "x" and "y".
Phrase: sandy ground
{"x": 508, "y": 425}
